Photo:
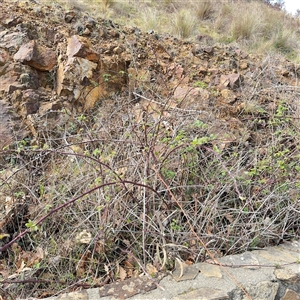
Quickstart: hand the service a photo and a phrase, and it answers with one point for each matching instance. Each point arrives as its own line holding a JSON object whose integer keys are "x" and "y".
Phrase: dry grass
{"x": 105, "y": 5}
{"x": 184, "y": 24}
{"x": 247, "y": 25}
{"x": 285, "y": 41}
{"x": 253, "y": 24}
{"x": 115, "y": 188}
{"x": 204, "y": 9}
{"x": 150, "y": 19}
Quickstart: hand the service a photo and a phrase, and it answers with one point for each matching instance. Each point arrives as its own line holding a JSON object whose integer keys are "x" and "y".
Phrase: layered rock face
{"x": 52, "y": 60}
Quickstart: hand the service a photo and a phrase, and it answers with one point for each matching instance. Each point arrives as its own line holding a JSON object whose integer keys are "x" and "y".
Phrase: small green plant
{"x": 22, "y": 144}
{"x": 200, "y": 124}
{"x": 281, "y": 109}
{"x": 277, "y": 266}
{"x": 201, "y": 141}
{"x": 169, "y": 174}
{"x": 96, "y": 152}
{"x": 106, "y": 77}
{"x": 214, "y": 92}
{"x": 81, "y": 118}
{"x": 31, "y": 225}
{"x": 175, "y": 226}
{"x": 19, "y": 194}
{"x": 200, "y": 84}
{"x": 42, "y": 189}
{"x": 179, "y": 139}
{"x": 254, "y": 242}
{"x": 280, "y": 117}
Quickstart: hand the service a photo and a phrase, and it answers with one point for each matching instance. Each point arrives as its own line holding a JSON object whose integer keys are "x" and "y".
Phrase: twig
{"x": 166, "y": 105}
{"x": 6, "y": 246}
{"x": 144, "y": 270}
{"x": 199, "y": 239}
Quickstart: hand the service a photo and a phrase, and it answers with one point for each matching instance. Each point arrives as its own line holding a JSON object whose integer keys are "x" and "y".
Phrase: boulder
{"x": 36, "y": 56}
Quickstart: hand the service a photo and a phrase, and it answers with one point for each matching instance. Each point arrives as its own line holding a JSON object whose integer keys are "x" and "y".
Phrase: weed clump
{"x": 116, "y": 198}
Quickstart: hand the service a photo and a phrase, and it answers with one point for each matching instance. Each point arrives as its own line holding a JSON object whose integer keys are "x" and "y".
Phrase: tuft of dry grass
{"x": 244, "y": 27}
{"x": 285, "y": 41}
{"x": 106, "y": 4}
{"x": 204, "y": 9}
{"x": 150, "y": 19}
{"x": 184, "y": 23}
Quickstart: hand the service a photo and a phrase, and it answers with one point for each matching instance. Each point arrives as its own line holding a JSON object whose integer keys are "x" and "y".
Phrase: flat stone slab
{"x": 184, "y": 271}
{"x": 258, "y": 275}
{"x": 203, "y": 294}
{"x": 210, "y": 270}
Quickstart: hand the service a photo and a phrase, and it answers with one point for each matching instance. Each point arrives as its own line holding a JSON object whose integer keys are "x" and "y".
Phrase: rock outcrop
{"x": 52, "y": 60}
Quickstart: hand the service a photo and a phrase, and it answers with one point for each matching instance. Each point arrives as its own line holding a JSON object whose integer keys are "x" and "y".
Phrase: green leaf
{"x": 200, "y": 141}
{"x": 31, "y": 225}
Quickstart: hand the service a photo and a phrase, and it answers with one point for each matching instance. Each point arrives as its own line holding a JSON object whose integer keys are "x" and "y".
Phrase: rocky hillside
{"x": 124, "y": 149}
